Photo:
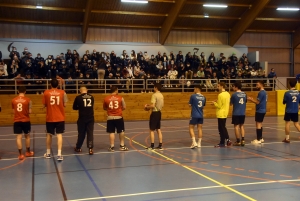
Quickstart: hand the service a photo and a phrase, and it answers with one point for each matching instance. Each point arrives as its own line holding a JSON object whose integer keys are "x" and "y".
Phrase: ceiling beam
{"x": 162, "y": 1}
{"x": 199, "y": 29}
{"x": 279, "y": 19}
{"x": 124, "y": 26}
{"x": 213, "y": 17}
{"x": 128, "y": 13}
{"x": 229, "y": 4}
{"x": 44, "y": 7}
{"x": 86, "y": 20}
{"x": 248, "y": 18}
{"x": 170, "y": 20}
{"x": 296, "y": 38}
{"x": 41, "y": 22}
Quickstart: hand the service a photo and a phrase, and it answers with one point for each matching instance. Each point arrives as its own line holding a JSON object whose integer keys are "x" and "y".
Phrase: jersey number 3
{"x": 113, "y": 105}
{"x": 200, "y": 104}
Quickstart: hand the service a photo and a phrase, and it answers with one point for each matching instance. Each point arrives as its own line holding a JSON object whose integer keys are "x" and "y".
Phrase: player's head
{"x": 157, "y": 86}
{"x": 237, "y": 86}
{"x": 114, "y": 89}
{"x": 54, "y": 83}
{"x": 197, "y": 88}
{"x": 83, "y": 90}
{"x": 221, "y": 86}
{"x": 260, "y": 84}
{"x": 293, "y": 83}
{"x": 22, "y": 90}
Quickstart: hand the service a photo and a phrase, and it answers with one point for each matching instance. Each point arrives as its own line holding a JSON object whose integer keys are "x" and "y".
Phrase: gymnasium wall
{"x": 175, "y": 107}
{"x": 297, "y": 60}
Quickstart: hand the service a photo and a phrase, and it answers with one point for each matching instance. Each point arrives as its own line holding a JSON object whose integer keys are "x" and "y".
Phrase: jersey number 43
{"x": 113, "y": 105}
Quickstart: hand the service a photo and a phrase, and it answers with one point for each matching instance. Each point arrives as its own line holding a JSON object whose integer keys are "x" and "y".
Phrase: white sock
{"x": 48, "y": 151}
{"x": 59, "y": 152}
{"x": 193, "y": 140}
{"x": 199, "y": 141}
{"x": 287, "y": 137}
{"x": 112, "y": 145}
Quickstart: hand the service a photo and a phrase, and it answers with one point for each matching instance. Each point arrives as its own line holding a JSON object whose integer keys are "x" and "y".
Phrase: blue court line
{"x": 88, "y": 174}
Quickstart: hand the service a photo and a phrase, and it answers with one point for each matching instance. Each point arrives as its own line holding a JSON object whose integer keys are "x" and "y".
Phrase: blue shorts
{"x": 194, "y": 121}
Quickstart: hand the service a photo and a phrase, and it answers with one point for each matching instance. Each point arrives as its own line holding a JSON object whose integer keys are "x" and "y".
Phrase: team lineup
{"x": 54, "y": 100}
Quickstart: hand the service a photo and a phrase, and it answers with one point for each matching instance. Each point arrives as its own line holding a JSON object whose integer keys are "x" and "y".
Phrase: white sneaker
{"x": 193, "y": 146}
{"x": 199, "y": 145}
{"x": 60, "y": 158}
{"x": 256, "y": 141}
{"x": 262, "y": 140}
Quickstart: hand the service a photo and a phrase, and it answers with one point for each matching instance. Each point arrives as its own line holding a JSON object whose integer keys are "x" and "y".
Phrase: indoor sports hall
{"x": 135, "y": 46}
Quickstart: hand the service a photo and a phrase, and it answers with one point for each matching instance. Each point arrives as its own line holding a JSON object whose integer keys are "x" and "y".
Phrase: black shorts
{"x": 259, "y": 117}
{"x": 154, "y": 122}
{"x": 237, "y": 120}
{"x": 291, "y": 117}
{"x": 196, "y": 121}
{"x": 115, "y": 124}
{"x": 22, "y": 127}
{"x": 55, "y": 127}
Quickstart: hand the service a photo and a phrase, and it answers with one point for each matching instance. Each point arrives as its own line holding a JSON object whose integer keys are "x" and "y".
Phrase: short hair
{"x": 22, "y": 89}
{"x": 198, "y": 86}
{"x": 113, "y": 89}
{"x": 260, "y": 82}
{"x": 238, "y": 85}
{"x": 222, "y": 84}
{"x": 293, "y": 83}
{"x": 158, "y": 86}
{"x": 54, "y": 83}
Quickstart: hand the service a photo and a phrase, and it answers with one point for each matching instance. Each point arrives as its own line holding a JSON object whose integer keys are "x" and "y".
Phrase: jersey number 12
{"x": 87, "y": 102}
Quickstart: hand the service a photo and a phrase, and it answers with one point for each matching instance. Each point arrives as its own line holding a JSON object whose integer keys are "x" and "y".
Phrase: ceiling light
{"x": 288, "y": 9}
{"x": 39, "y": 7}
{"x": 134, "y": 1}
{"x": 206, "y": 15}
{"x": 215, "y": 5}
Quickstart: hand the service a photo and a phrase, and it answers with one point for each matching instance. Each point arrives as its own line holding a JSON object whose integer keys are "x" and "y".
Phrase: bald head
{"x": 83, "y": 90}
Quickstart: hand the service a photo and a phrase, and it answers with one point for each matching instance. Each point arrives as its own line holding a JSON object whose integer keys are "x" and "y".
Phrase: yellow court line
{"x": 192, "y": 170}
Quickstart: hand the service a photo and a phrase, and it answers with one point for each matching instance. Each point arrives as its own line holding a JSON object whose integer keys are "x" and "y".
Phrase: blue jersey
{"x": 197, "y": 102}
{"x": 291, "y": 99}
{"x": 238, "y": 100}
{"x": 262, "y": 97}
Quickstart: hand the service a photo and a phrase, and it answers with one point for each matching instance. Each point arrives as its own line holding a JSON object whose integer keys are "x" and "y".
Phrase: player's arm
{"x": 218, "y": 103}
{"x": 152, "y": 105}
{"x": 12, "y": 107}
{"x": 231, "y": 100}
{"x": 257, "y": 101}
{"x": 65, "y": 99}
{"x": 190, "y": 101}
{"x": 104, "y": 105}
{"x": 284, "y": 99}
{"x": 30, "y": 106}
{"x": 123, "y": 104}
{"x": 75, "y": 104}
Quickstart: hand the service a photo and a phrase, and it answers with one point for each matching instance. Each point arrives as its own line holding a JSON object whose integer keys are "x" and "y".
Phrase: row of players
{"x": 54, "y": 101}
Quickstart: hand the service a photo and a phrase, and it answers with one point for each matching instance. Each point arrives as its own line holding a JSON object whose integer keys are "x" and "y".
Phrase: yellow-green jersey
{"x": 222, "y": 105}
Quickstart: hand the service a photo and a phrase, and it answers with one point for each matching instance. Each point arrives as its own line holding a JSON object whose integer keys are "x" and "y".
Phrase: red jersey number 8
{"x": 113, "y": 105}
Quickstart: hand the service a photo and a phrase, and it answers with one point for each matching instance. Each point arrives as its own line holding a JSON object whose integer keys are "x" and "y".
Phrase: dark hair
{"x": 293, "y": 83}
{"x": 238, "y": 85}
{"x": 54, "y": 83}
{"x": 157, "y": 86}
{"x": 260, "y": 82}
{"x": 22, "y": 89}
{"x": 113, "y": 89}
{"x": 198, "y": 86}
{"x": 222, "y": 84}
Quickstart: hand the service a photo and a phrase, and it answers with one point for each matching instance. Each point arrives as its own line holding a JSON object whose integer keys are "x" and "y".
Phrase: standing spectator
{"x": 179, "y": 58}
{"x": 114, "y": 105}
{"x": 101, "y": 73}
{"x": 222, "y": 110}
{"x": 157, "y": 103}
{"x": 84, "y": 103}
{"x": 172, "y": 75}
{"x": 75, "y": 56}
{"x": 14, "y": 53}
{"x": 14, "y": 68}
{"x": 272, "y": 75}
{"x": 212, "y": 59}
{"x": 21, "y": 106}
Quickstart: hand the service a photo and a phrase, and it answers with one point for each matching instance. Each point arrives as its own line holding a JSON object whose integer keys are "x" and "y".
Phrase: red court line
{"x": 7, "y": 167}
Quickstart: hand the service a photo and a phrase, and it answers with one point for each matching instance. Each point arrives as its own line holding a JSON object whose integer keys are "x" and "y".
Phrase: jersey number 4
{"x": 113, "y": 105}
{"x": 87, "y": 102}
{"x": 54, "y": 100}
{"x": 241, "y": 101}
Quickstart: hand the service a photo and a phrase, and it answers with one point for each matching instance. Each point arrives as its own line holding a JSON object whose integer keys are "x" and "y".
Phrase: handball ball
{"x": 145, "y": 107}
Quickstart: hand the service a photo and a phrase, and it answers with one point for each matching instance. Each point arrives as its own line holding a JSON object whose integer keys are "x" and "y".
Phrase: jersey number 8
{"x": 19, "y": 107}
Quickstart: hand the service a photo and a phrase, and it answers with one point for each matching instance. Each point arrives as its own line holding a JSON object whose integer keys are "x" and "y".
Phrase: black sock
{"x": 259, "y": 134}
{"x": 238, "y": 139}
{"x": 243, "y": 138}
{"x": 28, "y": 149}
{"x": 160, "y": 145}
{"x": 20, "y": 151}
{"x": 152, "y": 145}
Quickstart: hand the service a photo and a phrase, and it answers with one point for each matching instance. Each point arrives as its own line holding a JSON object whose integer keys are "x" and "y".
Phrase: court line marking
{"x": 185, "y": 189}
{"x": 192, "y": 170}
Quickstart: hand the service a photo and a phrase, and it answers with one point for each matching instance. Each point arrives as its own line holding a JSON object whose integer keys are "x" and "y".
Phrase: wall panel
{"x": 273, "y": 55}
{"x": 265, "y": 40}
{"x": 297, "y": 61}
{"x": 122, "y": 35}
{"x": 197, "y": 38}
{"x": 40, "y": 32}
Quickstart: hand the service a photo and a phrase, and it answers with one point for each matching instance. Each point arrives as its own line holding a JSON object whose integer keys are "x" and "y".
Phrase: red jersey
{"x": 54, "y": 100}
{"x": 21, "y": 106}
{"x": 114, "y": 105}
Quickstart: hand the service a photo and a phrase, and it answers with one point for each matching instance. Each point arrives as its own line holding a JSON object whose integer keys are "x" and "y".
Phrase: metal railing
{"x": 10, "y": 86}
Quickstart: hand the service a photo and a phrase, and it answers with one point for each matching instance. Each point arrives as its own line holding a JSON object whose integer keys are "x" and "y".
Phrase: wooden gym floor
{"x": 254, "y": 172}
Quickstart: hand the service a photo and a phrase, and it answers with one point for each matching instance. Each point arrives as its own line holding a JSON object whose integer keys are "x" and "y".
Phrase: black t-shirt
{"x": 85, "y": 104}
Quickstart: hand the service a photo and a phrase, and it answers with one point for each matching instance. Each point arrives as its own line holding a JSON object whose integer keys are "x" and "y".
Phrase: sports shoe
{"x": 193, "y": 146}
{"x": 262, "y": 140}
{"x": 243, "y": 143}
{"x": 60, "y": 158}
{"x": 229, "y": 143}
{"x": 199, "y": 145}
{"x": 77, "y": 150}
{"x": 91, "y": 152}
{"x": 286, "y": 141}
{"x": 159, "y": 148}
{"x": 220, "y": 145}
{"x": 21, "y": 157}
{"x": 112, "y": 149}
{"x": 256, "y": 141}
{"x": 150, "y": 148}
{"x": 47, "y": 155}
{"x": 237, "y": 144}
{"x": 123, "y": 148}
{"x": 29, "y": 153}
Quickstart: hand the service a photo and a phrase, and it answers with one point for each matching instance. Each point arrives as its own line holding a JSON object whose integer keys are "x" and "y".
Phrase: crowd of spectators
{"x": 131, "y": 65}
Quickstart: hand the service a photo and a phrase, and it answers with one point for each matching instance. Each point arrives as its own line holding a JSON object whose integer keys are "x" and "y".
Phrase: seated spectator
{"x": 152, "y": 62}
{"x": 254, "y": 73}
{"x": 38, "y": 59}
{"x": 171, "y": 56}
{"x": 81, "y": 79}
{"x": 48, "y": 61}
{"x": 165, "y": 60}
{"x": 14, "y": 69}
{"x": 88, "y": 80}
{"x": 68, "y": 57}
{"x": 28, "y": 67}
{"x": 132, "y": 55}
{"x": 41, "y": 70}
{"x": 234, "y": 60}
{"x": 188, "y": 71}
{"x": 202, "y": 59}
{"x": 53, "y": 70}
{"x": 181, "y": 69}
{"x": 179, "y": 58}
{"x": 222, "y": 64}
{"x": 261, "y": 73}
{"x": 233, "y": 73}
{"x": 214, "y": 80}
{"x": 212, "y": 59}
{"x": 14, "y": 53}
{"x": 172, "y": 75}
{"x": 159, "y": 69}
{"x": 247, "y": 72}
{"x": 75, "y": 56}
{"x": 3, "y": 69}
